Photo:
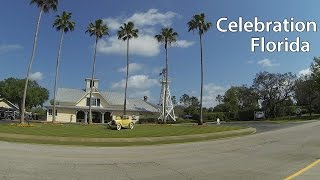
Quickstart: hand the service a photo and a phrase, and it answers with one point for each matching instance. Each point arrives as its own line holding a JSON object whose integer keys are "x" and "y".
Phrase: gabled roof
{"x": 13, "y": 106}
{"x": 75, "y": 95}
{"x": 140, "y": 105}
{"x": 112, "y": 98}
{"x": 69, "y": 95}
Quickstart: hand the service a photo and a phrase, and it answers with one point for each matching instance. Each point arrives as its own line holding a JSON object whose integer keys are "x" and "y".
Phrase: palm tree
{"x": 63, "y": 24}
{"x": 127, "y": 32}
{"x": 97, "y": 29}
{"x": 198, "y": 23}
{"x": 167, "y": 36}
{"x": 45, "y": 6}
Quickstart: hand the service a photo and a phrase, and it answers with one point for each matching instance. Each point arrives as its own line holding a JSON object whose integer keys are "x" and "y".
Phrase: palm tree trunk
{"x": 165, "y": 87}
{"x": 125, "y": 91}
{"x": 56, "y": 78}
{"x": 91, "y": 85}
{"x": 22, "y": 110}
{"x": 201, "y": 89}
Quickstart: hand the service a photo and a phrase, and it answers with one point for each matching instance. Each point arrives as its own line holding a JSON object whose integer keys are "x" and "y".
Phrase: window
{"x": 50, "y": 112}
{"x": 94, "y": 102}
{"x": 92, "y": 83}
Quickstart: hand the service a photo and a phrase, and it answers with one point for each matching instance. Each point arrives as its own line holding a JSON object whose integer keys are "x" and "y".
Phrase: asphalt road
{"x": 263, "y": 126}
{"x": 268, "y": 155}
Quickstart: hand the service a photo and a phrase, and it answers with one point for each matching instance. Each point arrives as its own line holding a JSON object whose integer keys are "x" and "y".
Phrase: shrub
{"x": 230, "y": 116}
{"x": 212, "y": 116}
{"x": 246, "y": 115}
{"x": 147, "y": 120}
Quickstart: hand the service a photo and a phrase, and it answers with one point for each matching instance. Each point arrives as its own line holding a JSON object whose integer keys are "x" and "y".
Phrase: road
{"x": 263, "y": 126}
{"x": 268, "y": 155}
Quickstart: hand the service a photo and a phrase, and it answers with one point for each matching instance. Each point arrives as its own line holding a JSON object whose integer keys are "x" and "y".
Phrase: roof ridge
{"x": 70, "y": 88}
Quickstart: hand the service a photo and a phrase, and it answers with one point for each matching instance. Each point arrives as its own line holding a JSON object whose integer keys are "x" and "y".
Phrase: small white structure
{"x": 218, "y": 121}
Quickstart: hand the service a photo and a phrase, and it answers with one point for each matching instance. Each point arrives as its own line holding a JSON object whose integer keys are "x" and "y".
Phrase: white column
{"x": 102, "y": 117}
{"x": 85, "y": 117}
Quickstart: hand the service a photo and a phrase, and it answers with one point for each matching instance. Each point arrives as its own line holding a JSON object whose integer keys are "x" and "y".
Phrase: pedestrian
{"x": 218, "y": 121}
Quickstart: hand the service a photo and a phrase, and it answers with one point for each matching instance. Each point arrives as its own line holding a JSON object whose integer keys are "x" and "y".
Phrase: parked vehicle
{"x": 259, "y": 115}
{"x": 119, "y": 122}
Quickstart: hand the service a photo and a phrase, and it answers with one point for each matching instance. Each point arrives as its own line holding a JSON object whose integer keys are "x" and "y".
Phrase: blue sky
{"x": 227, "y": 57}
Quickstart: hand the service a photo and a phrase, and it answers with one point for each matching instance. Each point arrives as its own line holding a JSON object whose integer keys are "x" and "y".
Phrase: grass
{"x": 101, "y": 131}
{"x": 87, "y": 135}
{"x": 117, "y": 144}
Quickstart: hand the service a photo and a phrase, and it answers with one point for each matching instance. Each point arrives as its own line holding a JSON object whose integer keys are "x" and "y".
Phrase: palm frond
{"x": 127, "y": 31}
{"x": 46, "y": 5}
{"x": 98, "y": 29}
{"x": 198, "y": 22}
{"x": 167, "y": 36}
{"x": 64, "y": 22}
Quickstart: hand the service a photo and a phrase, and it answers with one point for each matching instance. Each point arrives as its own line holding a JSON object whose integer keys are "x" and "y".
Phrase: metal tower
{"x": 168, "y": 113}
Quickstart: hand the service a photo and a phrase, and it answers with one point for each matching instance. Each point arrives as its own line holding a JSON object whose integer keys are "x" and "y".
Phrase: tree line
{"x": 276, "y": 94}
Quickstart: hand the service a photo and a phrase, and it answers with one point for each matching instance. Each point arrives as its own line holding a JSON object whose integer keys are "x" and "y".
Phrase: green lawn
{"x": 101, "y": 131}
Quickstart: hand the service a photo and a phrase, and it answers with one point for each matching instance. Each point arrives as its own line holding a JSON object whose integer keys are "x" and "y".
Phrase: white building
{"x": 72, "y": 105}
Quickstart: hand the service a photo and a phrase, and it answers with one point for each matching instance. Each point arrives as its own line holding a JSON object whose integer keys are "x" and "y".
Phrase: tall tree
{"x": 64, "y": 24}
{"x": 45, "y": 6}
{"x": 190, "y": 104}
{"x": 167, "y": 36}
{"x": 185, "y": 100}
{"x": 12, "y": 89}
{"x": 274, "y": 89}
{"x": 198, "y": 23}
{"x": 127, "y": 32}
{"x": 315, "y": 71}
{"x": 97, "y": 29}
{"x": 240, "y": 98}
{"x": 306, "y": 92}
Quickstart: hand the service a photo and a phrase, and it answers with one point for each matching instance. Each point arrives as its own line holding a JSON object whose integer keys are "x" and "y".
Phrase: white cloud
{"x": 136, "y": 82}
{"x": 148, "y": 24}
{"x": 153, "y": 17}
{"x": 4, "y": 48}
{"x": 138, "y": 86}
{"x": 148, "y": 30}
{"x": 37, "y": 76}
{"x": 133, "y": 67}
{"x": 141, "y": 19}
{"x": 266, "y": 63}
{"x": 145, "y": 45}
{"x": 183, "y": 43}
{"x": 113, "y": 23}
{"x": 210, "y": 93}
{"x": 304, "y": 72}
